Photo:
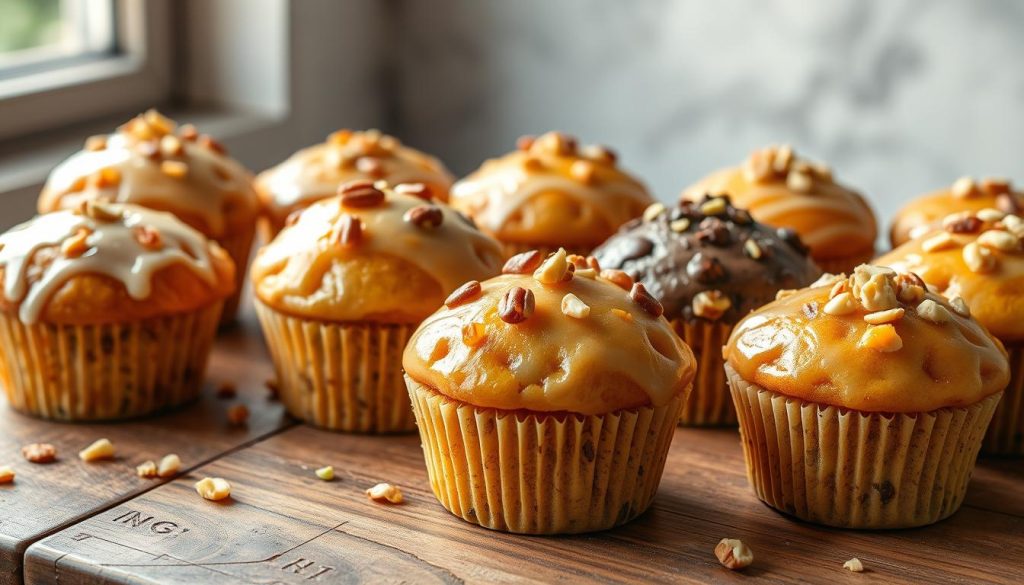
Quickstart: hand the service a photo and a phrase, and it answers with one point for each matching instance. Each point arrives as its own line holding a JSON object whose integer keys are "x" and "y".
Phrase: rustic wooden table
{"x": 284, "y": 525}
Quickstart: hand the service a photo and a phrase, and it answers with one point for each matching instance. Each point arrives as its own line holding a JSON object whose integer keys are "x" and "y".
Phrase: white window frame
{"x": 137, "y": 76}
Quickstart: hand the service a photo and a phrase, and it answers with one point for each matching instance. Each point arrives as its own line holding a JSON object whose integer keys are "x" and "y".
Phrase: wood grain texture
{"x": 45, "y": 498}
{"x": 283, "y": 525}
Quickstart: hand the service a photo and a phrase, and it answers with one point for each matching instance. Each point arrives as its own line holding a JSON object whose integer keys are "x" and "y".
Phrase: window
{"x": 38, "y": 35}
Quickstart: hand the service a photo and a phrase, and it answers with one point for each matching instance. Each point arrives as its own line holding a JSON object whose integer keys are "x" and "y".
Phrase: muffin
{"x": 979, "y": 257}
{"x": 316, "y": 172}
{"x": 547, "y": 397}
{"x": 107, "y": 312}
{"x": 549, "y": 194}
{"x": 925, "y": 213}
{"x": 340, "y": 290}
{"x": 863, "y": 402}
{"x": 150, "y": 161}
{"x": 709, "y": 264}
{"x": 781, "y": 190}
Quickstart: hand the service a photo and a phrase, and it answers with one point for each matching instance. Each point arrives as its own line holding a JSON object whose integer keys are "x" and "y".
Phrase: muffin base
{"x": 536, "y": 473}
{"x": 510, "y": 249}
{"x": 849, "y": 469}
{"x": 1005, "y": 436}
{"x": 340, "y": 376}
{"x": 710, "y": 403}
{"x": 108, "y": 371}
{"x": 844, "y": 264}
{"x": 238, "y": 247}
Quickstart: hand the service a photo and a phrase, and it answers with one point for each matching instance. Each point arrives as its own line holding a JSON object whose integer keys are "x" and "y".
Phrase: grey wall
{"x": 899, "y": 96}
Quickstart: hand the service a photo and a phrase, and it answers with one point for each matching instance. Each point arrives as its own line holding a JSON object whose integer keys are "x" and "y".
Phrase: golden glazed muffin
{"x": 340, "y": 290}
{"x": 316, "y": 172}
{"x": 709, "y": 264}
{"x": 782, "y": 190}
{"x": 863, "y": 402}
{"x": 547, "y": 397}
{"x": 107, "y": 312}
{"x": 152, "y": 162}
{"x": 979, "y": 257}
{"x": 550, "y": 193}
{"x": 925, "y": 213}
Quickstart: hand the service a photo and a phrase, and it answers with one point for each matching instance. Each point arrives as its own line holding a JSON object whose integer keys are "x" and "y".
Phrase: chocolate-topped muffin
{"x": 709, "y": 264}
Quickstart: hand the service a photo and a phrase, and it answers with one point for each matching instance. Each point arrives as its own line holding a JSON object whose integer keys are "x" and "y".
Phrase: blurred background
{"x": 899, "y": 96}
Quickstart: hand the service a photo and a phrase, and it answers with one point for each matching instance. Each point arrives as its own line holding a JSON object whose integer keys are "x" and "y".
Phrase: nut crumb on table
{"x": 169, "y": 465}
{"x": 146, "y": 469}
{"x": 238, "y": 414}
{"x": 854, "y": 565}
{"x": 39, "y": 452}
{"x": 6, "y": 474}
{"x": 734, "y": 554}
{"x": 213, "y": 488}
{"x": 100, "y": 449}
{"x": 325, "y": 473}
{"x": 385, "y": 492}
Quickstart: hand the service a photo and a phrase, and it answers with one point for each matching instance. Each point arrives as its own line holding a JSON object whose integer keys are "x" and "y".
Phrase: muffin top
{"x": 978, "y": 256}
{"x": 782, "y": 190}
{"x": 150, "y": 161}
{"x": 109, "y": 263}
{"x": 316, "y": 172}
{"x": 551, "y": 336}
{"x": 708, "y": 260}
{"x": 923, "y": 214}
{"x": 371, "y": 254}
{"x": 551, "y": 192}
{"x": 877, "y": 341}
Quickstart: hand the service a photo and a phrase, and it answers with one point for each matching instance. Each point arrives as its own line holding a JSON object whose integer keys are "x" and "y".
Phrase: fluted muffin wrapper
{"x": 238, "y": 246}
{"x": 710, "y": 403}
{"x": 1005, "y": 435}
{"x": 845, "y": 264}
{"x": 105, "y": 371}
{"x": 510, "y": 249}
{"x": 851, "y": 469}
{"x": 536, "y": 473}
{"x": 340, "y": 376}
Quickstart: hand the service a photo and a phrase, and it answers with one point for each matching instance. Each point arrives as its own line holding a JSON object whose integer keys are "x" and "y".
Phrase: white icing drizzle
{"x": 507, "y": 188}
{"x": 112, "y": 250}
{"x": 213, "y": 182}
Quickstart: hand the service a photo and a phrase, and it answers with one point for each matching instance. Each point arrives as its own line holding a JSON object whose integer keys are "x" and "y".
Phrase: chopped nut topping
{"x": 639, "y": 295}
{"x": 733, "y": 554}
{"x": 524, "y": 263}
{"x": 839, "y": 287}
{"x": 158, "y": 122}
{"x": 978, "y": 258}
{"x": 841, "y": 304}
{"x": 618, "y": 278}
{"x": 583, "y": 172}
{"x": 517, "y": 305}
{"x": 6, "y": 474}
{"x": 786, "y": 292}
{"x": 76, "y": 245}
{"x": 463, "y": 294}
{"x": 238, "y": 414}
{"x": 919, "y": 230}
{"x": 599, "y": 154}
{"x": 653, "y": 211}
{"x": 680, "y": 225}
{"x": 999, "y": 240}
{"x": 474, "y": 334}
{"x": 573, "y": 307}
{"x": 532, "y": 163}
{"x": 188, "y": 132}
{"x": 828, "y": 279}
{"x": 961, "y": 223}
{"x": 213, "y": 488}
{"x": 347, "y": 231}
{"x": 370, "y": 166}
{"x": 146, "y": 470}
{"x": 909, "y": 288}
{"x": 711, "y": 304}
{"x": 752, "y": 249}
{"x": 989, "y": 214}
{"x": 170, "y": 145}
{"x": 415, "y": 189}
{"x": 995, "y": 186}
{"x": 425, "y": 216}
{"x": 881, "y": 338}
{"x": 174, "y": 168}
{"x": 854, "y": 565}
{"x": 39, "y": 453}
{"x": 931, "y": 311}
{"x": 340, "y": 137}
{"x": 169, "y": 465}
{"x": 963, "y": 188}
{"x": 872, "y": 286}
{"x": 148, "y": 237}
{"x": 385, "y": 492}
{"x": 882, "y": 317}
{"x": 101, "y": 449}
{"x": 759, "y": 166}
{"x": 555, "y": 143}
{"x": 799, "y": 182}
{"x": 555, "y": 269}
{"x": 960, "y": 306}
{"x": 939, "y": 241}
{"x": 94, "y": 143}
{"x": 714, "y": 206}
{"x": 325, "y": 473}
{"x": 226, "y": 390}
{"x": 586, "y": 273}
{"x": 624, "y": 315}
{"x": 101, "y": 211}
{"x": 211, "y": 144}
{"x": 359, "y": 194}
{"x": 783, "y": 158}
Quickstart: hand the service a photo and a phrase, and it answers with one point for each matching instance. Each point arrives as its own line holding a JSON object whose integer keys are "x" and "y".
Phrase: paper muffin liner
{"x": 238, "y": 246}
{"x": 340, "y": 376}
{"x": 512, "y": 248}
{"x": 850, "y": 469}
{"x": 1006, "y": 433}
{"x": 108, "y": 371}
{"x": 536, "y": 473}
{"x": 844, "y": 264}
{"x": 710, "y": 403}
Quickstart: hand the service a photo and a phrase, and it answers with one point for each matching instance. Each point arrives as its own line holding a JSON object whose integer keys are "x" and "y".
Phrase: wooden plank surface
{"x": 283, "y": 525}
{"x": 47, "y": 497}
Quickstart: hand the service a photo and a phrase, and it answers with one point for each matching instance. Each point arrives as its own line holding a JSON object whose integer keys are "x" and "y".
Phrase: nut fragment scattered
{"x": 146, "y": 470}
{"x": 360, "y": 194}
{"x": 624, "y": 315}
{"x": 101, "y": 449}
{"x": 854, "y": 565}
{"x": 148, "y": 237}
{"x": 799, "y": 182}
{"x": 978, "y": 258}
{"x": 961, "y": 223}
{"x": 882, "y": 317}
{"x": 169, "y": 465}
{"x": 524, "y": 263}
{"x": 39, "y": 453}
{"x": 639, "y": 295}
{"x": 734, "y": 554}
{"x": 963, "y": 187}
{"x": 680, "y": 225}
{"x": 881, "y": 338}
{"x": 463, "y": 294}
{"x": 711, "y": 304}
{"x": 999, "y": 240}
{"x": 238, "y": 414}
{"x": 517, "y": 305}
{"x": 714, "y": 206}
{"x": 931, "y": 311}
{"x": 415, "y": 189}
{"x": 385, "y": 492}
{"x": 939, "y": 241}
{"x": 960, "y": 306}
{"x": 841, "y": 304}
{"x": 170, "y": 145}
{"x": 174, "y": 168}
{"x": 618, "y": 278}
{"x": 752, "y": 249}
{"x": 6, "y": 474}
{"x": 474, "y": 334}
{"x": 325, "y": 473}
{"x": 573, "y": 306}
{"x": 583, "y": 171}
{"x": 554, "y": 269}
{"x": 424, "y": 216}
{"x": 653, "y": 211}
{"x": 989, "y": 214}
{"x": 76, "y": 245}
{"x": 347, "y": 231}
{"x": 101, "y": 211}
{"x": 213, "y": 488}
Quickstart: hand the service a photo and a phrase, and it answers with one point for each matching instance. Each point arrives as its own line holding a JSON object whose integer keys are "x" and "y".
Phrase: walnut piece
{"x": 213, "y": 488}
{"x": 6, "y": 474}
{"x": 385, "y": 492}
{"x": 854, "y": 565}
{"x": 733, "y": 554}
{"x": 146, "y": 470}
{"x": 39, "y": 452}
